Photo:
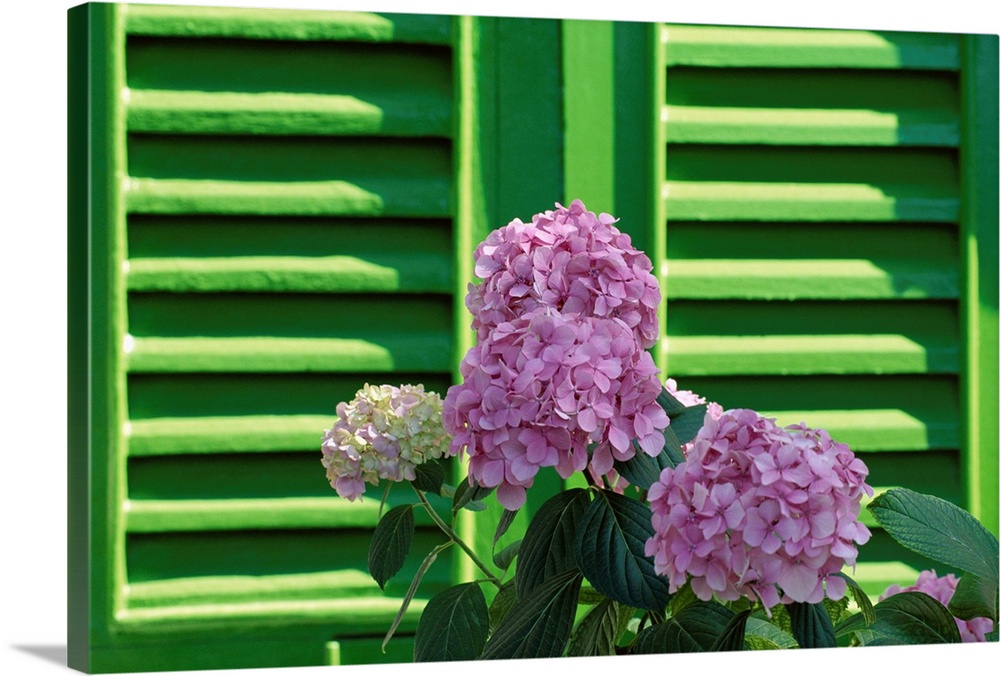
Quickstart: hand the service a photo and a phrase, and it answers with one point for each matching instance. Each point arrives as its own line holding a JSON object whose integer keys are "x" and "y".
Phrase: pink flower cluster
{"x": 541, "y": 389}
{"x": 568, "y": 259}
{"x": 559, "y": 376}
{"x": 942, "y": 589}
{"x": 759, "y": 510}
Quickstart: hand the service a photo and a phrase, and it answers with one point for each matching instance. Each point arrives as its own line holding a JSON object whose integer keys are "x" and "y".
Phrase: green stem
{"x": 453, "y": 536}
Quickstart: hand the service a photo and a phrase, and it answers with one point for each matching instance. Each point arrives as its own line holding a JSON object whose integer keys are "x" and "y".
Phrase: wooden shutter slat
{"x": 280, "y": 113}
{"x": 784, "y": 126}
{"x": 766, "y": 201}
{"x": 430, "y": 352}
{"x": 726, "y": 46}
{"x": 326, "y": 274}
{"x": 426, "y": 197}
{"x": 259, "y": 23}
{"x": 783, "y": 279}
{"x": 225, "y": 434}
{"x": 160, "y": 516}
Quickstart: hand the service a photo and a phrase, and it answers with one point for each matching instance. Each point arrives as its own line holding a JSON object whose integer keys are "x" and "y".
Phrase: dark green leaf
{"x": 390, "y": 543}
{"x": 732, "y": 636}
{"x": 414, "y": 584}
{"x": 590, "y": 596}
{"x": 811, "y": 625}
{"x": 599, "y": 630}
{"x": 673, "y": 454}
{"x": 939, "y": 530}
{"x": 686, "y": 425}
{"x": 466, "y": 493}
{"x": 670, "y": 404}
{"x": 973, "y": 598}
{"x": 696, "y": 628}
{"x": 540, "y": 625}
{"x": 610, "y": 551}
{"x": 860, "y": 598}
{"x": 762, "y": 635}
{"x": 453, "y": 626}
{"x": 907, "y": 618}
{"x": 642, "y": 470}
{"x": 505, "y": 556}
{"x": 837, "y": 610}
{"x": 430, "y": 477}
{"x": 503, "y": 603}
{"x": 547, "y": 547}
{"x": 682, "y": 598}
{"x": 506, "y": 519}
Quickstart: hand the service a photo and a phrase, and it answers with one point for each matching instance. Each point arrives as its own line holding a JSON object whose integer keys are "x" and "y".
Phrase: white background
{"x": 33, "y": 243}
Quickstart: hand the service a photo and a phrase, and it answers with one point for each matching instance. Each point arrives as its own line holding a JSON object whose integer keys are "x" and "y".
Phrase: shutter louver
{"x": 289, "y": 234}
{"x": 812, "y": 202}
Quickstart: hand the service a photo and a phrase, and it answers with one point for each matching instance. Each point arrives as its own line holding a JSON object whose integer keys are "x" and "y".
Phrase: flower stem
{"x": 453, "y": 536}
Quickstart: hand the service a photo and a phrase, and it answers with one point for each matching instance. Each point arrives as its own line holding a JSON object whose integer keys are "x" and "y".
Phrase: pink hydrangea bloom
{"x": 759, "y": 510}
{"x": 540, "y": 389}
{"x": 942, "y": 589}
{"x": 568, "y": 259}
{"x": 383, "y": 433}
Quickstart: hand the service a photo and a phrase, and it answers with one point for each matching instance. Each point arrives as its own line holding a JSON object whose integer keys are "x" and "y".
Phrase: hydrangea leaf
{"x": 973, "y": 598}
{"x": 642, "y": 470}
{"x": 939, "y": 530}
{"x": 453, "y": 625}
{"x": 540, "y": 625}
{"x": 503, "y": 603}
{"x": 763, "y": 635}
{"x": 686, "y": 424}
{"x": 907, "y": 618}
{"x": 695, "y": 628}
{"x": 390, "y": 543}
{"x": 506, "y": 519}
{"x": 860, "y": 598}
{"x": 505, "y": 556}
{"x": 673, "y": 454}
{"x": 610, "y": 551}
{"x": 469, "y": 496}
{"x": 733, "y": 635}
{"x": 429, "y": 477}
{"x": 670, "y": 404}
{"x": 600, "y": 629}
{"x": 547, "y": 547}
{"x": 811, "y": 625}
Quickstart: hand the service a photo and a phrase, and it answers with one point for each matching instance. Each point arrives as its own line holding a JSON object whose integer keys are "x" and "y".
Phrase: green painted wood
{"x": 269, "y": 24}
{"x": 781, "y": 126}
{"x": 414, "y": 197}
{"x": 224, "y": 434}
{"x": 781, "y": 279}
{"x": 194, "y": 112}
{"x": 158, "y": 516}
{"x": 589, "y": 108}
{"x": 94, "y": 381}
{"x": 751, "y": 355}
{"x": 730, "y": 201}
{"x": 302, "y": 274}
{"x": 879, "y": 429}
{"x": 729, "y": 46}
{"x": 980, "y": 252}
{"x": 262, "y": 353}
{"x": 216, "y": 589}
{"x": 342, "y": 616}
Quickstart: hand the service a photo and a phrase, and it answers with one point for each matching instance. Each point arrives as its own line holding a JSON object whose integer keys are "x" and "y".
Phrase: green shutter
{"x": 283, "y": 231}
{"x": 272, "y": 207}
{"x": 814, "y": 259}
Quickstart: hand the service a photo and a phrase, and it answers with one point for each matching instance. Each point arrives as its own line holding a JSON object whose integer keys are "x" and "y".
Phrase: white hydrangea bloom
{"x": 385, "y": 432}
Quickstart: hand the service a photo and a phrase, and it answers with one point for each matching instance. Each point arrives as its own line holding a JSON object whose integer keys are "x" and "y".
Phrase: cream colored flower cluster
{"x": 385, "y": 432}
